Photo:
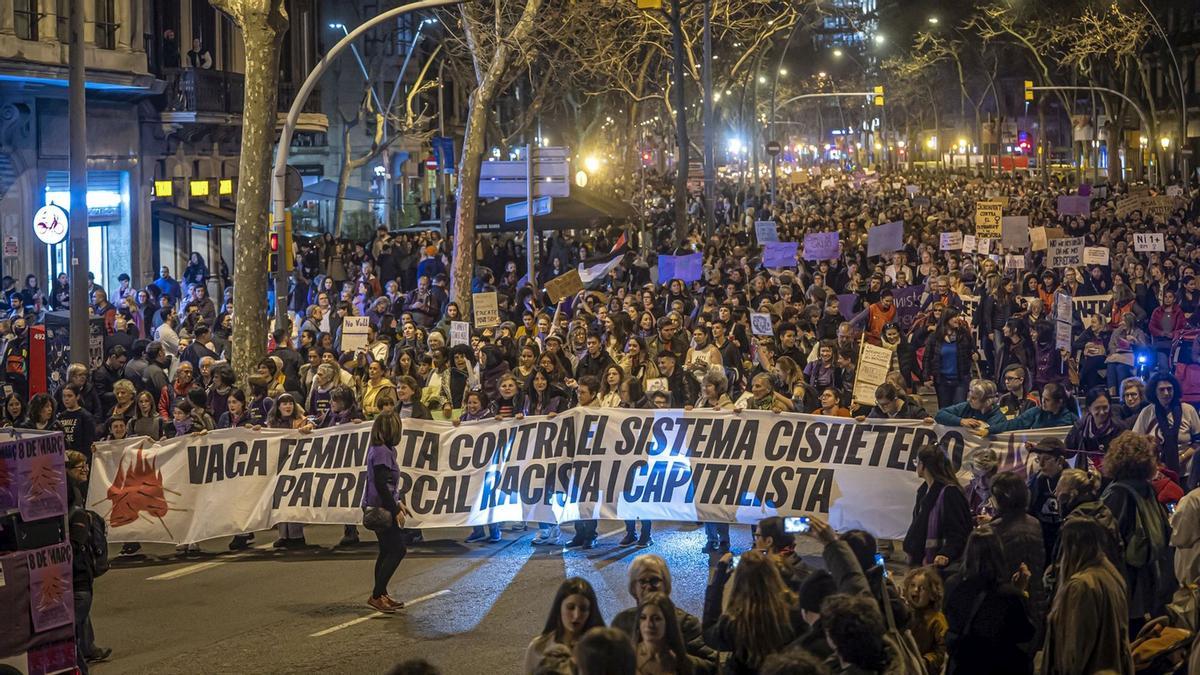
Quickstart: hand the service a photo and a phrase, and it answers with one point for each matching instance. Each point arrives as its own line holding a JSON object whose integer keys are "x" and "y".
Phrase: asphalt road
{"x": 473, "y": 608}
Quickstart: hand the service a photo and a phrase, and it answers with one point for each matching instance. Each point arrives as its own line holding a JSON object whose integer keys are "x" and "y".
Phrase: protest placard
{"x": 885, "y": 238}
{"x": 1062, "y": 335}
{"x": 1074, "y": 205}
{"x": 912, "y": 190}
{"x": 969, "y": 244}
{"x": 873, "y": 366}
{"x": 487, "y": 309}
{"x": 821, "y": 246}
{"x": 766, "y": 230}
{"x": 564, "y": 286}
{"x": 760, "y": 324}
{"x": 952, "y": 241}
{"x": 780, "y": 254}
{"x": 1174, "y": 190}
{"x": 354, "y": 332}
{"x": 686, "y": 268}
{"x": 988, "y": 219}
{"x": 1065, "y": 252}
{"x": 1095, "y": 255}
{"x": 1014, "y": 261}
{"x": 1014, "y": 232}
{"x": 460, "y": 333}
{"x": 1148, "y": 241}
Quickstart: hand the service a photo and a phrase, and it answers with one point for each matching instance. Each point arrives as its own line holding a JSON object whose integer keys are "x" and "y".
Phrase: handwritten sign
{"x": 873, "y": 366}
{"x": 969, "y": 244}
{"x": 1014, "y": 262}
{"x": 354, "y": 332}
{"x": 988, "y": 219}
{"x": 1065, "y": 252}
{"x": 460, "y": 333}
{"x": 766, "y": 230}
{"x": 1095, "y": 255}
{"x": 1148, "y": 241}
{"x": 564, "y": 286}
{"x": 760, "y": 324}
{"x": 487, "y": 309}
{"x": 780, "y": 254}
{"x": 952, "y": 241}
{"x": 1074, "y": 205}
{"x": 885, "y": 238}
{"x": 821, "y": 246}
{"x": 686, "y": 268}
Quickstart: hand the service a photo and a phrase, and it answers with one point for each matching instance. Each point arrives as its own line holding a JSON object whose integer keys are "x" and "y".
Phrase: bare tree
{"x": 262, "y": 24}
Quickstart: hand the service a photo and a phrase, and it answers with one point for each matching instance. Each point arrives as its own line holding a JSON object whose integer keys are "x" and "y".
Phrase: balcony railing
{"x": 204, "y": 91}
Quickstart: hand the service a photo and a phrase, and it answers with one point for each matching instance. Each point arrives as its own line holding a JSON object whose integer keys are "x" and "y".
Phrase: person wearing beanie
{"x": 813, "y": 591}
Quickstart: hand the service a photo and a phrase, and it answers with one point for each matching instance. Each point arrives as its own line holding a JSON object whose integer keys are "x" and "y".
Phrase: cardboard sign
{"x": 460, "y": 333}
{"x": 564, "y": 286}
{"x": 988, "y": 219}
{"x": 1062, "y": 334}
{"x": 1148, "y": 241}
{"x": 1095, "y": 255}
{"x": 799, "y": 178}
{"x": 760, "y": 324}
{"x": 1014, "y": 262}
{"x": 912, "y": 190}
{"x": 821, "y": 246}
{"x": 920, "y": 202}
{"x": 354, "y": 332}
{"x": 487, "y": 309}
{"x": 1040, "y": 237}
{"x": 1014, "y": 232}
{"x": 1174, "y": 190}
{"x": 826, "y": 183}
{"x": 1074, "y": 205}
{"x": 1065, "y": 252}
{"x": 873, "y": 366}
{"x": 969, "y": 244}
{"x": 766, "y": 230}
{"x": 952, "y": 241}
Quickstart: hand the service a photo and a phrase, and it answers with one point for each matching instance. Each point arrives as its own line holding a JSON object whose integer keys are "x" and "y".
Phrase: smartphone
{"x": 734, "y": 563}
{"x": 1171, "y": 507}
{"x": 879, "y": 561}
{"x": 797, "y": 525}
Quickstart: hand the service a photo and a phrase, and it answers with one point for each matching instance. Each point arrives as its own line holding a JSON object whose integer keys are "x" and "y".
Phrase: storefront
{"x": 109, "y": 243}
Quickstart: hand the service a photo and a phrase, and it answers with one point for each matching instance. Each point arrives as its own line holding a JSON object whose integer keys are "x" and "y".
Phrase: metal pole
{"x": 387, "y": 152}
{"x": 529, "y": 214}
{"x": 710, "y": 164}
{"x": 78, "y": 241}
{"x": 441, "y": 182}
{"x": 279, "y": 174}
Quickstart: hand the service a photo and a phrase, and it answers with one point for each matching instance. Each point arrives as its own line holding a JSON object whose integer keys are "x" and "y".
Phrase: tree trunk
{"x": 339, "y": 203}
{"x": 263, "y": 23}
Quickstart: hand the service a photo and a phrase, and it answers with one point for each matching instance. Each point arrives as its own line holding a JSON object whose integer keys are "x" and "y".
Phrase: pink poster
{"x": 41, "y": 475}
{"x": 51, "y": 596}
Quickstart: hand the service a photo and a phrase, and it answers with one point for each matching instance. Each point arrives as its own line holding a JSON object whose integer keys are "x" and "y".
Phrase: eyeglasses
{"x": 650, "y": 582}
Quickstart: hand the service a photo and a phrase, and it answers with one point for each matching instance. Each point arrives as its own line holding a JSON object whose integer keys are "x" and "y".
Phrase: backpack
{"x": 97, "y": 543}
{"x": 1148, "y": 538}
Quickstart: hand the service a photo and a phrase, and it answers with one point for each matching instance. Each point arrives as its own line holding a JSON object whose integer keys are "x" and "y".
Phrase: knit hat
{"x": 813, "y": 591}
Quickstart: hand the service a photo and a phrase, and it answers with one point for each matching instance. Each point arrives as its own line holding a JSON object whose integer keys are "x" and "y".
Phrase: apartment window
{"x": 106, "y": 24}
{"x": 25, "y": 19}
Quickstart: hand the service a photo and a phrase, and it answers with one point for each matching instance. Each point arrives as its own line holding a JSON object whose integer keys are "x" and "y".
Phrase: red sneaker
{"x": 381, "y": 604}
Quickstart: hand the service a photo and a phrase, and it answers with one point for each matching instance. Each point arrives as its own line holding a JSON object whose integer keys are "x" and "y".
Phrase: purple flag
{"x": 1074, "y": 205}
{"x": 1085, "y": 190}
{"x": 779, "y": 254}
{"x": 885, "y": 238}
{"x": 846, "y": 304}
{"x": 908, "y": 304}
{"x": 821, "y": 246}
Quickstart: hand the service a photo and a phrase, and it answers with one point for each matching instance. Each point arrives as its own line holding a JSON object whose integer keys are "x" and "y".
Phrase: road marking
{"x": 376, "y": 615}
{"x": 614, "y": 533}
{"x": 184, "y": 571}
{"x": 200, "y": 567}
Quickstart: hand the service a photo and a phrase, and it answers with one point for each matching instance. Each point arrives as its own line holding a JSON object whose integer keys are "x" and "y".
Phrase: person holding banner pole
{"x": 381, "y": 492}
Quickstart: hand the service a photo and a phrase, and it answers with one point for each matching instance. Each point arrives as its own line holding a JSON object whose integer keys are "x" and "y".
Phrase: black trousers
{"x": 391, "y": 552}
{"x": 585, "y": 530}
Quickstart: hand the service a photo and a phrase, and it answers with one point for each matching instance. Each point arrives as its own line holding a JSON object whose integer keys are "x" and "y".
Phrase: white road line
{"x": 376, "y": 615}
{"x": 184, "y": 571}
{"x": 614, "y": 533}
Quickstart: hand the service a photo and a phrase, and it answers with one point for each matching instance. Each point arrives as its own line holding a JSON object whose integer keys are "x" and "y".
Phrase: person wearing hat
{"x": 1050, "y": 459}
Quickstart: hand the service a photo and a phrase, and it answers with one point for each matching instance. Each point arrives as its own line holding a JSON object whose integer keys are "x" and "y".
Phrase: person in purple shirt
{"x": 383, "y": 477}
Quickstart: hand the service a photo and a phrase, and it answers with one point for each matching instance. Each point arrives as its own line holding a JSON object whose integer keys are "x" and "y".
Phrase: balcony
{"x": 199, "y": 96}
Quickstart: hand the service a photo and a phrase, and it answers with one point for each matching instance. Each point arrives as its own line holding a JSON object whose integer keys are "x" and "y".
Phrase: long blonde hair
{"x": 760, "y": 607}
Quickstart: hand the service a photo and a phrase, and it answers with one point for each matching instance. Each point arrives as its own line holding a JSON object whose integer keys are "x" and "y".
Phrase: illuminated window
{"x": 163, "y": 188}
{"x": 199, "y": 188}
{"x": 225, "y": 187}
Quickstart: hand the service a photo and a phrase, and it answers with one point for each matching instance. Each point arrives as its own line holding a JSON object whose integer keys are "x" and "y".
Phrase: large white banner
{"x": 605, "y": 464}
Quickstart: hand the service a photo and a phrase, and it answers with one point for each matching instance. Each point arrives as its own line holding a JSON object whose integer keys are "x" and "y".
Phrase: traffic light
{"x": 879, "y": 95}
{"x": 647, "y": 158}
{"x": 273, "y": 258}
{"x": 1028, "y": 90}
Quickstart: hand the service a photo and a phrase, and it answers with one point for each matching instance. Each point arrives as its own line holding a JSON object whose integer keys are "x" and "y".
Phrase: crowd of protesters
{"x": 1009, "y": 556}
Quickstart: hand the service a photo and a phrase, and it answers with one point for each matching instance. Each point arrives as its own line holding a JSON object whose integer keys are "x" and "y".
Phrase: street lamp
{"x": 837, "y": 53}
{"x": 1165, "y": 142}
{"x": 933, "y": 20}
{"x": 762, "y": 79}
{"x": 880, "y": 39}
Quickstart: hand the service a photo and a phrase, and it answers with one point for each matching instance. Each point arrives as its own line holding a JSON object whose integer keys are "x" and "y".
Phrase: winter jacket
{"x": 954, "y": 523}
{"x": 1087, "y": 630}
{"x": 1035, "y": 418}
{"x": 987, "y": 626}
{"x": 952, "y": 416}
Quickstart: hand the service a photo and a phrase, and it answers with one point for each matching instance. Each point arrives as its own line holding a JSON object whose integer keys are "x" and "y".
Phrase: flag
{"x": 620, "y": 243}
{"x": 593, "y": 270}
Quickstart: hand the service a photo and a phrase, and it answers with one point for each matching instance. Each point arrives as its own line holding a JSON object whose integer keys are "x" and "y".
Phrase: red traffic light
{"x": 274, "y": 242}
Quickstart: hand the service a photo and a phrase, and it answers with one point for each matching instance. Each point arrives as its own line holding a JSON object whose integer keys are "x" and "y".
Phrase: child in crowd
{"x": 923, "y": 591}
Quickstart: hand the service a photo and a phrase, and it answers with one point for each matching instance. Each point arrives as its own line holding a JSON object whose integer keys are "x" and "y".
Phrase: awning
{"x": 584, "y": 208}
{"x": 326, "y": 189}
{"x": 211, "y": 216}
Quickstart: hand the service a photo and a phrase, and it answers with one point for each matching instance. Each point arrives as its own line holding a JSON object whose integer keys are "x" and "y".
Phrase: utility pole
{"x": 710, "y": 166}
{"x": 78, "y": 249}
{"x": 681, "y": 134}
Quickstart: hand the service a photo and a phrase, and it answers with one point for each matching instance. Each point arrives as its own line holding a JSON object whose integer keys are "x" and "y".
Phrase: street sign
{"x": 431, "y": 163}
{"x": 443, "y": 150}
{"x": 520, "y": 210}
{"x": 11, "y": 250}
{"x": 551, "y": 176}
{"x": 773, "y": 148}
{"x": 50, "y": 224}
